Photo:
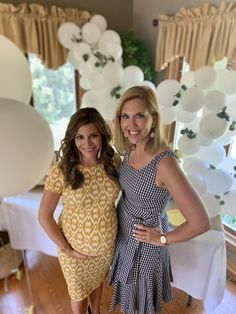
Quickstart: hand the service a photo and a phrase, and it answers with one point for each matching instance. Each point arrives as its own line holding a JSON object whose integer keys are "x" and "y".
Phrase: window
{"x": 54, "y": 95}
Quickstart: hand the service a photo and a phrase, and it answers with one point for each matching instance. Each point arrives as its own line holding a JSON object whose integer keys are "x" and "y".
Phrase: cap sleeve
{"x": 54, "y": 179}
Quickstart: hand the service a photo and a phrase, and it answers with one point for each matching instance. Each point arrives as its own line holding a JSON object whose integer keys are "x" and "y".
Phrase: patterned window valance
{"x": 202, "y": 36}
{"x": 33, "y": 28}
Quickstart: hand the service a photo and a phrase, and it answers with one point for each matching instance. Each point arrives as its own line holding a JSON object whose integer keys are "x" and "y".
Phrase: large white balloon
{"x": 166, "y": 92}
{"x": 218, "y": 181}
{"x": 167, "y": 115}
{"x": 188, "y": 146}
{"x": 114, "y": 50}
{"x": 132, "y": 75}
{"x": 100, "y": 21}
{"x": 212, "y": 126}
{"x": 90, "y": 33}
{"x": 188, "y": 79}
{"x": 69, "y": 34}
{"x": 226, "y": 82}
{"x": 213, "y": 154}
{"x": 195, "y": 166}
{"x": 215, "y": 100}
{"x": 205, "y": 77}
{"x": 192, "y": 99}
{"x": 109, "y": 36}
{"x": 26, "y": 143}
{"x": 15, "y": 76}
{"x": 185, "y": 116}
{"x": 113, "y": 73}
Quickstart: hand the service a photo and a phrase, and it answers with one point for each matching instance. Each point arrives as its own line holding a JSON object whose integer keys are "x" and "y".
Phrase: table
{"x": 19, "y": 216}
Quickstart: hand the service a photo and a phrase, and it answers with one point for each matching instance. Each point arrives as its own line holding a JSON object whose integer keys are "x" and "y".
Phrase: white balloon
{"x": 198, "y": 182}
{"x": 109, "y": 36}
{"x": 231, "y": 109}
{"x": 72, "y": 59}
{"x": 228, "y": 164}
{"x": 229, "y": 207}
{"x": 102, "y": 101}
{"x": 95, "y": 80}
{"x": 166, "y": 92}
{"x": 114, "y": 50}
{"x": 15, "y": 75}
{"x": 213, "y": 154}
{"x": 215, "y": 100}
{"x": 132, "y": 75}
{"x": 100, "y": 21}
{"x": 224, "y": 140}
{"x": 218, "y": 181}
{"x": 226, "y": 82}
{"x": 148, "y": 84}
{"x": 69, "y": 34}
{"x": 212, "y": 204}
{"x": 202, "y": 140}
{"x": 113, "y": 73}
{"x": 81, "y": 52}
{"x": 167, "y": 115}
{"x": 188, "y": 79}
{"x": 205, "y": 77}
{"x": 184, "y": 116}
{"x": 187, "y": 146}
{"x": 26, "y": 143}
{"x": 195, "y": 166}
{"x": 90, "y": 33}
{"x": 213, "y": 126}
{"x": 192, "y": 99}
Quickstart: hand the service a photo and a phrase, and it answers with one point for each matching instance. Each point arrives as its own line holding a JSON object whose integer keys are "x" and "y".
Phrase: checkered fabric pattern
{"x": 141, "y": 272}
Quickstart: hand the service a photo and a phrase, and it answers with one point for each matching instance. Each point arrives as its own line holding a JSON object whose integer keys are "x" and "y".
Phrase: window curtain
{"x": 201, "y": 35}
{"x": 33, "y": 28}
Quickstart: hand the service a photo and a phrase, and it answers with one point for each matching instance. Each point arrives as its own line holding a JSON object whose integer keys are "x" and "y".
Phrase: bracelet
{"x": 65, "y": 247}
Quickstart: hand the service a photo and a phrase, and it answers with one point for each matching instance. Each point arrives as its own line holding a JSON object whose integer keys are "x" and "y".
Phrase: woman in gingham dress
{"x": 141, "y": 271}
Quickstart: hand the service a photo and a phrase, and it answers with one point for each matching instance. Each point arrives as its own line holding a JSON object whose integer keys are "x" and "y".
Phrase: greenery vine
{"x": 135, "y": 53}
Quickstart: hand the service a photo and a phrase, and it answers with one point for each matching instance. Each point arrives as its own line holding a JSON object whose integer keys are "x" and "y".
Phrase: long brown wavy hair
{"x": 68, "y": 153}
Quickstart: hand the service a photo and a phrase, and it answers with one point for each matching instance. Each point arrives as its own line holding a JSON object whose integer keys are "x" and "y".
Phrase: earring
{"x": 99, "y": 153}
{"x": 125, "y": 135}
{"x": 152, "y": 134}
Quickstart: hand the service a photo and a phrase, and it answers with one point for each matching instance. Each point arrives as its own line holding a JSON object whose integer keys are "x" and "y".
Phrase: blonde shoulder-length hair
{"x": 149, "y": 98}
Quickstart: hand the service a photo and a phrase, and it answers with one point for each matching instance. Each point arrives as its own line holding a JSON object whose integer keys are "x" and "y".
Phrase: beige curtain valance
{"x": 33, "y": 28}
{"x": 202, "y": 36}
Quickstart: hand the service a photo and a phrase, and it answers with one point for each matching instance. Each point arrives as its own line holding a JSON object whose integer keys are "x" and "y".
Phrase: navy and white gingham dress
{"x": 141, "y": 273}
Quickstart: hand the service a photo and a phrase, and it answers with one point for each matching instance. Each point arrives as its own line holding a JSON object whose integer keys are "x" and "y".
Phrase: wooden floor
{"x": 49, "y": 294}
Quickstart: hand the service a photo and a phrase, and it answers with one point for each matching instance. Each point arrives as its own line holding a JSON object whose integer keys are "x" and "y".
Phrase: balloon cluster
{"x": 204, "y": 102}
{"x": 97, "y": 53}
{"x": 25, "y": 139}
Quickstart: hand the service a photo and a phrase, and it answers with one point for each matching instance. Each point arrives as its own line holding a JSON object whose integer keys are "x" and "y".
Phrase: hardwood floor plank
{"x": 50, "y": 294}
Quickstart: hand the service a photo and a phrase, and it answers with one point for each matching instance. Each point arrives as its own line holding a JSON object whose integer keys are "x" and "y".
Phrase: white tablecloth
{"x": 199, "y": 268}
{"x": 19, "y": 216}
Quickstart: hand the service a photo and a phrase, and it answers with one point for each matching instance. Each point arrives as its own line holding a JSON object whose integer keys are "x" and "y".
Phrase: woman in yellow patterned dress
{"x": 86, "y": 178}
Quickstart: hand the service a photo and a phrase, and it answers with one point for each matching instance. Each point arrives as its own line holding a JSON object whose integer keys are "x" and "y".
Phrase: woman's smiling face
{"x": 136, "y": 121}
{"x": 88, "y": 141}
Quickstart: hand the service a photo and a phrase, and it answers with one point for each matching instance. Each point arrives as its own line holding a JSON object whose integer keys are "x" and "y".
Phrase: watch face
{"x": 163, "y": 239}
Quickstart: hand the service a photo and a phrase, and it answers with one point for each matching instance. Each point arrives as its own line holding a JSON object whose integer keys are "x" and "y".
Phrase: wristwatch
{"x": 163, "y": 239}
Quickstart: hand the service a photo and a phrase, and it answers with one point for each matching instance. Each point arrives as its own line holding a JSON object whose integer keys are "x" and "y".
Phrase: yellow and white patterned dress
{"x": 89, "y": 223}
